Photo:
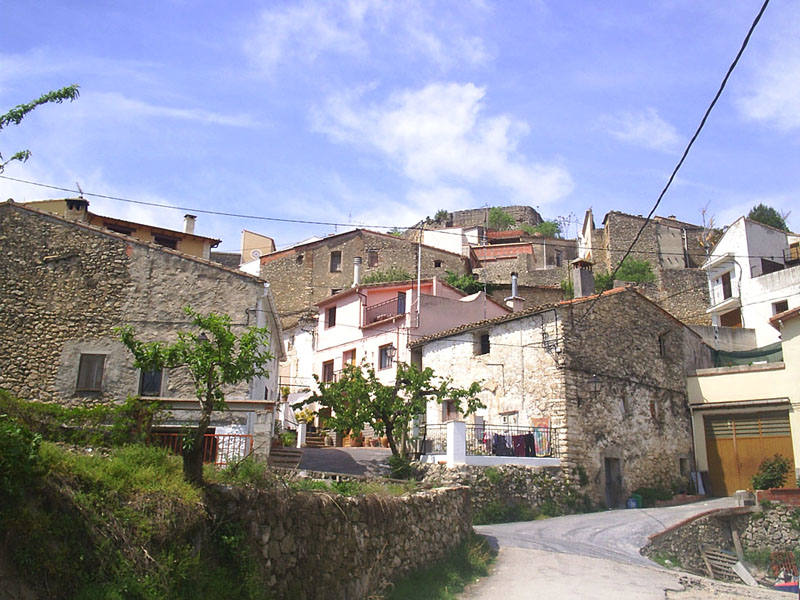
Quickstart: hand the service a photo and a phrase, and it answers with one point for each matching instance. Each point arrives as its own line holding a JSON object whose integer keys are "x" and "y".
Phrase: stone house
{"x": 307, "y": 273}
{"x": 186, "y": 241}
{"x": 673, "y": 249}
{"x": 65, "y": 285}
{"x": 753, "y": 273}
{"x": 608, "y": 373}
{"x": 746, "y": 413}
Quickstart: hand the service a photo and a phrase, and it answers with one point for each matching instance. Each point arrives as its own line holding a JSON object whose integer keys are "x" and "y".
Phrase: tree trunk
{"x": 390, "y": 437}
{"x": 193, "y": 457}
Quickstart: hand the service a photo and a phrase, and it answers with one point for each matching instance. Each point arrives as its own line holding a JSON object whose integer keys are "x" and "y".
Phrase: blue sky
{"x": 381, "y": 113}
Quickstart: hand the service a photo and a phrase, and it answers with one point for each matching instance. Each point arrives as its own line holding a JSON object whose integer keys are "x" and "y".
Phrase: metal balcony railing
{"x": 383, "y": 310}
{"x": 220, "y": 449}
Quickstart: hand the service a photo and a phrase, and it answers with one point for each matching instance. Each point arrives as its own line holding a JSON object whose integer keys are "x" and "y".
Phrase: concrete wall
{"x": 318, "y": 546}
{"x": 64, "y": 287}
{"x": 728, "y": 339}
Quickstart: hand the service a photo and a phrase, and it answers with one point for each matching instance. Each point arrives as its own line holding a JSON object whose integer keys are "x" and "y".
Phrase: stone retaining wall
{"x": 771, "y": 528}
{"x": 537, "y": 487}
{"x": 320, "y": 546}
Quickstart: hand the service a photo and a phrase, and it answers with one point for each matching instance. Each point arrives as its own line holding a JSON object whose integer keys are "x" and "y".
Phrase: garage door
{"x": 737, "y": 443}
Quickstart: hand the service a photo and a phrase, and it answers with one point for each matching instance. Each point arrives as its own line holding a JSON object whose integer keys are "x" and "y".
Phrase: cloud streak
{"x": 439, "y": 136}
{"x": 644, "y": 128}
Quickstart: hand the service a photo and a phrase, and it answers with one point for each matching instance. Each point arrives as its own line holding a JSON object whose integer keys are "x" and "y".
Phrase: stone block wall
{"x": 64, "y": 287}
{"x": 301, "y": 276}
{"x": 319, "y": 546}
{"x": 626, "y": 399}
{"x": 474, "y": 217}
{"x": 536, "y": 487}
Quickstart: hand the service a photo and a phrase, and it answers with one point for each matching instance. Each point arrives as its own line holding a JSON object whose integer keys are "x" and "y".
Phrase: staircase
{"x": 285, "y": 458}
{"x": 315, "y": 440}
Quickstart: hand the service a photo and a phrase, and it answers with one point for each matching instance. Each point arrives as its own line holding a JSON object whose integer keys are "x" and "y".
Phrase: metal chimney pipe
{"x": 513, "y": 285}
{"x": 356, "y": 271}
{"x": 188, "y": 223}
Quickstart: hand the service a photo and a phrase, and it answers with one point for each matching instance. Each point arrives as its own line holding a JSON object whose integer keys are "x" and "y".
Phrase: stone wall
{"x": 499, "y": 271}
{"x": 301, "y": 276}
{"x": 625, "y": 366}
{"x": 772, "y": 528}
{"x": 321, "y": 546}
{"x": 64, "y": 287}
{"x": 479, "y": 217}
{"x": 542, "y": 488}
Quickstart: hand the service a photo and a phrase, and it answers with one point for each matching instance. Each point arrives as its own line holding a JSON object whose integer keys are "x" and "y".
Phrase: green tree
{"x": 546, "y": 228}
{"x": 441, "y": 216}
{"x": 358, "y": 398}
{"x": 500, "y": 219}
{"x": 631, "y": 269}
{"x": 16, "y": 114}
{"x": 214, "y": 358}
{"x": 390, "y": 274}
{"x": 768, "y": 216}
{"x": 468, "y": 284}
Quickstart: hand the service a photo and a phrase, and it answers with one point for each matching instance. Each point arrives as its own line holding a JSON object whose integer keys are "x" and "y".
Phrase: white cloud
{"x": 643, "y": 128}
{"x": 303, "y": 32}
{"x": 438, "y": 135}
{"x": 773, "y": 91}
{"x": 114, "y": 103}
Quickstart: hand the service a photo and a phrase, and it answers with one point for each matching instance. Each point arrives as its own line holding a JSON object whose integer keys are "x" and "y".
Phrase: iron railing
{"x": 383, "y": 310}
{"x": 512, "y": 440}
{"x": 218, "y": 448}
{"x": 494, "y": 440}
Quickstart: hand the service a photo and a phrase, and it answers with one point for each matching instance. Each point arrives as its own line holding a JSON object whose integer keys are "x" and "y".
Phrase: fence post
{"x": 456, "y": 443}
{"x": 301, "y": 434}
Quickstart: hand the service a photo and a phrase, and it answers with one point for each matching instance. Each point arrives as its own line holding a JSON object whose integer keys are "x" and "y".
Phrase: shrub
{"x": 19, "y": 458}
{"x": 390, "y": 274}
{"x": 500, "y": 219}
{"x": 400, "y": 467}
{"x": 771, "y": 473}
{"x": 651, "y": 494}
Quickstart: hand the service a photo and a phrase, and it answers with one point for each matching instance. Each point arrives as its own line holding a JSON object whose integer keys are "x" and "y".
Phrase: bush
{"x": 400, "y": 467}
{"x": 651, "y": 494}
{"x": 771, "y": 473}
{"x": 19, "y": 458}
{"x": 500, "y": 511}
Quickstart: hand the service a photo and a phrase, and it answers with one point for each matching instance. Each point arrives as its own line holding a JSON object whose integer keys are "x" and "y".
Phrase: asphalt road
{"x": 595, "y": 556}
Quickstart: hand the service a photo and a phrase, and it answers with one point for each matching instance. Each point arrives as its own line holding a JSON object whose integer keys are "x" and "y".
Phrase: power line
{"x": 689, "y": 145}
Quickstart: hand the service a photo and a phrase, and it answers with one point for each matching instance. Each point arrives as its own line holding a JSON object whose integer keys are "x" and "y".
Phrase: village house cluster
{"x": 692, "y": 376}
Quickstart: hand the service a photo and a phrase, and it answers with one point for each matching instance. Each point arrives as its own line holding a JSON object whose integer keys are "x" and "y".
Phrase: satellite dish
{"x": 255, "y": 254}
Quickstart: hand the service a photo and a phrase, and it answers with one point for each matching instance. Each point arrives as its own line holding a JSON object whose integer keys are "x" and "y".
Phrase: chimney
{"x": 514, "y": 302}
{"x": 582, "y": 278}
{"x": 356, "y": 271}
{"x": 188, "y": 223}
{"x": 77, "y": 209}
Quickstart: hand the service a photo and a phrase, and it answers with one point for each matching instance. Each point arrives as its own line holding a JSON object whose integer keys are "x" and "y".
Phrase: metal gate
{"x": 737, "y": 443}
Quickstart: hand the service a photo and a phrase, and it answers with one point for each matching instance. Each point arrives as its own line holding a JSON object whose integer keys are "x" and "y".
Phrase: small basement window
{"x": 779, "y": 307}
{"x": 90, "y": 373}
{"x": 482, "y": 344}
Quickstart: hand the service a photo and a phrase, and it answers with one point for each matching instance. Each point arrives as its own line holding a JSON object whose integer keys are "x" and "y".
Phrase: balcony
{"x": 385, "y": 311}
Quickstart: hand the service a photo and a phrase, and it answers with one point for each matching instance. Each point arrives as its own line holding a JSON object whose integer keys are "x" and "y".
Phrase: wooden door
{"x": 737, "y": 443}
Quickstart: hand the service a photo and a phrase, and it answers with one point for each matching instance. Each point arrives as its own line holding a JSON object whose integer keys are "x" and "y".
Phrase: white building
{"x": 753, "y": 274}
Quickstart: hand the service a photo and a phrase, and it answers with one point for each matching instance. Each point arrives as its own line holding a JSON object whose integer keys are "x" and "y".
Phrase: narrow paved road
{"x": 595, "y": 556}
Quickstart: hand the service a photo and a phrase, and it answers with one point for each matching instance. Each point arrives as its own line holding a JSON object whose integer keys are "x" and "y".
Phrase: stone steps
{"x": 285, "y": 458}
{"x": 315, "y": 440}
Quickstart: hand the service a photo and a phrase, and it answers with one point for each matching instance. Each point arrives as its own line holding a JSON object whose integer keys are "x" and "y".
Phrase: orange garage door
{"x": 737, "y": 443}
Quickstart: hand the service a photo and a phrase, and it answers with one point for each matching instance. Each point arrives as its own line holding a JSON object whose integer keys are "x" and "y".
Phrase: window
{"x": 779, "y": 307}
{"x": 336, "y": 261}
{"x": 150, "y": 383}
{"x": 330, "y": 317}
{"x": 401, "y": 303}
{"x": 372, "y": 258}
{"x": 662, "y": 345}
{"x": 481, "y": 345}
{"x": 437, "y": 264}
{"x": 335, "y": 291}
{"x": 118, "y": 228}
{"x": 725, "y": 281}
{"x": 385, "y": 356}
{"x": 90, "y": 372}
{"x": 731, "y": 319}
{"x": 349, "y": 357}
{"x": 327, "y": 371}
{"x": 558, "y": 258}
{"x": 167, "y": 242}
{"x": 299, "y": 259}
